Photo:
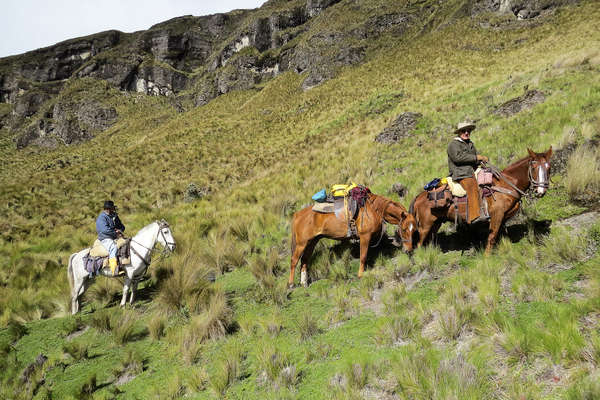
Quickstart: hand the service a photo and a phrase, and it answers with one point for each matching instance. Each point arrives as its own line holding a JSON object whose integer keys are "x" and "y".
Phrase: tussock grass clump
{"x": 345, "y": 305}
{"x": 307, "y": 325}
{"x": 188, "y": 289}
{"x": 228, "y": 369}
{"x": 157, "y": 326}
{"x": 265, "y": 269}
{"x": 88, "y": 387}
{"x": 270, "y": 361}
{"x": 370, "y": 281}
{"x": 77, "y": 350}
{"x": 124, "y": 327}
{"x": 429, "y": 374}
{"x": 397, "y": 329}
{"x": 213, "y": 323}
{"x": 197, "y": 379}
{"x": 583, "y": 172}
{"x": 104, "y": 291}
{"x": 101, "y": 320}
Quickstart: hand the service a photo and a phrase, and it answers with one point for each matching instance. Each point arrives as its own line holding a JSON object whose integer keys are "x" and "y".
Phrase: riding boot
{"x": 112, "y": 262}
{"x": 474, "y": 214}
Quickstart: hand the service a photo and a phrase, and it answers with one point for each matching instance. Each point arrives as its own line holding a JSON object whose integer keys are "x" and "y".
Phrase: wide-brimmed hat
{"x": 109, "y": 205}
{"x": 464, "y": 126}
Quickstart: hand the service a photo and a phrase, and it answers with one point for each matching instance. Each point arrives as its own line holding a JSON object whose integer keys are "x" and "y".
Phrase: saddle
{"x": 345, "y": 207}
{"x": 97, "y": 258}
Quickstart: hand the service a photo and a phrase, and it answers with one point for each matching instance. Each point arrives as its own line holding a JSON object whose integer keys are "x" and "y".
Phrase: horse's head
{"x": 406, "y": 231}
{"x": 165, "y": 236}
{"x": 539, "y": 171}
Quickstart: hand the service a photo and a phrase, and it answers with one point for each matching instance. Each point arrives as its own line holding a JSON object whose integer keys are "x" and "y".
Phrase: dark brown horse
{"x": 309, "y": 226}
{"x": 531, "y": 170}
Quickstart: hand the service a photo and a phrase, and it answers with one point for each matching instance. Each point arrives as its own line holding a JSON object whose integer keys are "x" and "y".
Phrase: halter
{"x": 161, "y": 225}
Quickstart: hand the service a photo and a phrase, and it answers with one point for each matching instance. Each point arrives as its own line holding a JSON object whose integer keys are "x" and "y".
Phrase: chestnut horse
{"x": 514, "y": 181}
{"x": 309, "y": 226}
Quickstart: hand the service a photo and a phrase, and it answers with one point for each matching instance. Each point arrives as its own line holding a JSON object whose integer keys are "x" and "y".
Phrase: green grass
{"x": 438, "y": 325}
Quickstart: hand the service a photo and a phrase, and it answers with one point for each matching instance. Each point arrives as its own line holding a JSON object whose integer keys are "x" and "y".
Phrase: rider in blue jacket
{"x": 109, "y": 228}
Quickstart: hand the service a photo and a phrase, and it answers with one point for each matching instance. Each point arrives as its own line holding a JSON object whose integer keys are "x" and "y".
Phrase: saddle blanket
{"x": 323, "y": 208}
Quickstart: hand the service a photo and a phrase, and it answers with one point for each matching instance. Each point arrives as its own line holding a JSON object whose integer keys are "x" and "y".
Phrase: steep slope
{"x": 519, "y": 324}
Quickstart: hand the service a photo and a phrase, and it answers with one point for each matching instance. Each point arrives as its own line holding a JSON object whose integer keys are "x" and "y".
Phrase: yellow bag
{"x": 340, "y": 190}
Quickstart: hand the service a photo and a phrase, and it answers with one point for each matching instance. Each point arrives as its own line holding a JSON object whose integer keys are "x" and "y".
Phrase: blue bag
{"x": 432, "y": 185}
{"x": 320, "y": 196}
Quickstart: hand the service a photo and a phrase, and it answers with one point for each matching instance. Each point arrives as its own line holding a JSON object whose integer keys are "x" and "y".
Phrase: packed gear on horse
{"x": 98, "y": 256}
{"x": 309, "y": 226}
{"x": 346, "y": 202}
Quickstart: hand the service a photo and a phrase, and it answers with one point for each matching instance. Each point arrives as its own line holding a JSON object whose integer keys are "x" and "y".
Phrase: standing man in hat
{"x": 462, "y": 162}
{"x": 109, "y": 228}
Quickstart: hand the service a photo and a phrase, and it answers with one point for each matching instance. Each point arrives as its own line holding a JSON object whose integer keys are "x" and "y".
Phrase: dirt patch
{"x": 77, "y": 333}
{"x": 402, "y": 127}
{"x": 521, "y": 103}
{"x": 125, "y": 377}
{"x": 581, "y": 222}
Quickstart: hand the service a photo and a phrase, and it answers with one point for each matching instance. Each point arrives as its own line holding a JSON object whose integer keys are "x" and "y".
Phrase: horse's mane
{"x": 379, "y": 203}
{"x": 144, "y": 229}
{"x": 516, "y": 165}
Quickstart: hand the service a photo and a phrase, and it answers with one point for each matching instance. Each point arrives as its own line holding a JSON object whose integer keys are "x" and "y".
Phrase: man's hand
{"x": 482, "y": 158}
{"x": 119, "y": 233}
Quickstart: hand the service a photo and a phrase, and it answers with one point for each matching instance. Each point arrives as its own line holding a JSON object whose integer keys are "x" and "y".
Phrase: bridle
{"x": 165, "y": 251}
{"x": 535, "y": 183}
{"x": 532, "y": 181}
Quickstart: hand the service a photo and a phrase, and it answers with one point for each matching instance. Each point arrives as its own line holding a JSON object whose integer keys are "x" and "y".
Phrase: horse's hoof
{"x": 290, "y": 286}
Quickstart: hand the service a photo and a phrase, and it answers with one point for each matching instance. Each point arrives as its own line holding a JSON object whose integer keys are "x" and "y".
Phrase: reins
{"x": 163, "y": 253}
{"x": 496, "y": 171}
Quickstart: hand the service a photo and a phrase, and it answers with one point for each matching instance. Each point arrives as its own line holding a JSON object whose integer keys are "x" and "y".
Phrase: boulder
{"x": 521, "y": 103}
{"x": 402, "y": 127}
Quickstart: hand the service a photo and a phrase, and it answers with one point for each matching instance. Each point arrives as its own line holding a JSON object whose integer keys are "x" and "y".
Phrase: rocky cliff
{"x": 195, "y": 59}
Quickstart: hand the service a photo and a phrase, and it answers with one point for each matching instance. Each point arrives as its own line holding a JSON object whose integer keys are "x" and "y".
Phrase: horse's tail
{"x": 70, "y": 271}
{"x": 293, "y": 246}
{"x": 411, "y": 208}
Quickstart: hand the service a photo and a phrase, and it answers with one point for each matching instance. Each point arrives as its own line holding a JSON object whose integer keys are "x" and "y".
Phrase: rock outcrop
{"x": 402, "y": 127}
{"x": 195, "y": 59}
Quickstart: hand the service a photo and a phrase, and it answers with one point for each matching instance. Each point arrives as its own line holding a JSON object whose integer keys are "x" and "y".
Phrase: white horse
{"x": 140, "y": 252}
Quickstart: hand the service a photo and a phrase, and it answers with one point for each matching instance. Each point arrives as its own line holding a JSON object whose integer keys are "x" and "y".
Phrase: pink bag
{"x": 484, "y": 177}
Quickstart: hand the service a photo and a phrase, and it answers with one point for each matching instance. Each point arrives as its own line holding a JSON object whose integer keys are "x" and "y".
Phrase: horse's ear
{"x": 404, "y": 215}
{"x": 531, "y": 153}
{"x": 549, "y": 153}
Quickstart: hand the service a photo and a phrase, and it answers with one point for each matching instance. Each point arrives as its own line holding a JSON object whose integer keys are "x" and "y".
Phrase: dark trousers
{"x": 473, "y": 198}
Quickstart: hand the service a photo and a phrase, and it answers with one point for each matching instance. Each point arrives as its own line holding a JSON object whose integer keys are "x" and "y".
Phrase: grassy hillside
{"x": 522, "y": 323}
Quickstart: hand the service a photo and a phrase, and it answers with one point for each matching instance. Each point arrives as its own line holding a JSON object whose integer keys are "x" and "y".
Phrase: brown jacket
{"x": 462, "y": 158}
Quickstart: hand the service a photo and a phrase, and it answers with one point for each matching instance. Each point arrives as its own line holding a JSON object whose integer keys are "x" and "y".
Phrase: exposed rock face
{"x": 521, "y": 103}
{"x": 195, "y": 59}
{"x": 522, "y": 9}
{"x": 69, "y": 122}
{"x": 402, "y": 127}
{"x": 314, "y": 7}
